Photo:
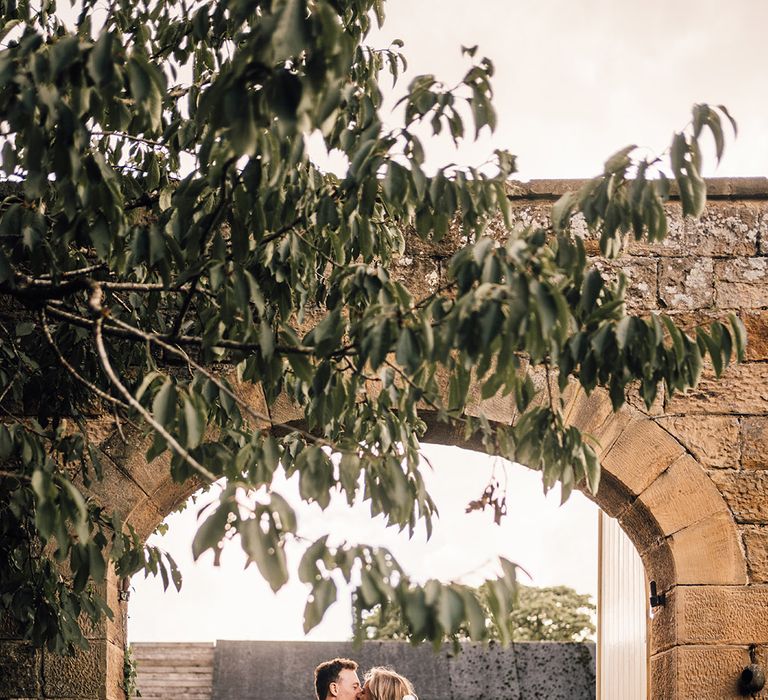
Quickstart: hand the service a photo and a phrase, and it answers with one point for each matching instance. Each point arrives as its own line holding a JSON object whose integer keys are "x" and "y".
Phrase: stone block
{"x": 725, "y": 229}
{"x": 674, "y": 245}
{"x": 746, "y": 493}
{"x": 145, "y": 517}
{"x": 709, "y": 552}
{"x": 742, "y": 389}
{"x": 20, "y": 667}
{"x": 641, "y": 453}
{"x": 754, "y": 436}
{"x": 686, "y": 283}
{"x": 721, "y": 614}
{"x": 612, "y": 496}
{"x": 659, "y": 565}
{"x": 756, "y": 324}
{"x": 681, "y": 496}
{"x": 117, "y": 491}
{"x": 594, "y": 416}
{"x": 662, "y": 625}
{"x": 756, "y": 544}
{"x": 697, "y": 673}
{"x": 641, "y": 527}
{"x": 115, "y": 672}
{"x": 9, "y": 628}
{"x": 712, "y": 440}
{"x": 80, "y": 676}
{"x": 741, "y": 283}
{"x": 642, "y": 279}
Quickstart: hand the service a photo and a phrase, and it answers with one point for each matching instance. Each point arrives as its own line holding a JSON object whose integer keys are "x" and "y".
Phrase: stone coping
{"x": 717, "y": 188}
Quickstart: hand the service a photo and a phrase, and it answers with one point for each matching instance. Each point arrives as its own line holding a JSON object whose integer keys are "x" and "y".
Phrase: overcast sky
{"x": 575, "y": 81}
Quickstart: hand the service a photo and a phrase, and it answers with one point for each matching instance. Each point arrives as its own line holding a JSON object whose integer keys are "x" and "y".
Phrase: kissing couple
{"x": 337, "y": 680}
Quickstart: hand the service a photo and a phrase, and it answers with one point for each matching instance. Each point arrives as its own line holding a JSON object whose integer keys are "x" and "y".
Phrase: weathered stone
{"x": 721, "y": 614}
{"x": 725, "y": 229}
{"x": 709, "y": 552}
{"x": 712, "y": 440}
{"x": 612, "y": 496}
{"x": 673, "y": 245}
{"x": 641, "y": 527}
{"x": 641, "y": 453}
{"x": 82, "y": 675}
{"x": 19, "y": 670}
{"x": 756, "y": 544}
{"x": 686, "y": 283}
{"x": 742, "y": 389}
{"x": 681, "y": 496}
{"x": 594, "y": 416}
{"x": 421, "y": 275}
{"x": 145, "y": 517}
{"x": 741, "y": 283}
{"x": 115, "y": 672}
{"x": 746, "y": 493}
{"x": 659, "y": 565}
{"x": 697, "y": 673}
{"x": 756, "y": 324}
{"x": 642, "y": 278}
{"x": 754, "y": 442}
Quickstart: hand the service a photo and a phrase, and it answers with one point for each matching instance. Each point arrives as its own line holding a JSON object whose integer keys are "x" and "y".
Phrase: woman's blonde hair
{"x": 385, "y": 684}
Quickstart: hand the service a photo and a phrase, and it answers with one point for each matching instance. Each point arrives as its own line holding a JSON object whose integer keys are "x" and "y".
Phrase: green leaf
{"x": 101, "y": 66}
{"x": 211, "y": 532}
{"x": 193, "y": 423}
{"x": 289, "y": 38}
{"x": 164, "y": 404}
{"x": 450, "y": 610}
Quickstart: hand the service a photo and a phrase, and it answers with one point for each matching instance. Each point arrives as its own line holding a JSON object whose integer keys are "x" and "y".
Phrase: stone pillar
{"x": 96, "y": 674}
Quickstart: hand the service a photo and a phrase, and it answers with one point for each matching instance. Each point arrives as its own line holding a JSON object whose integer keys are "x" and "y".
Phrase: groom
{"x": 337, "y": 680}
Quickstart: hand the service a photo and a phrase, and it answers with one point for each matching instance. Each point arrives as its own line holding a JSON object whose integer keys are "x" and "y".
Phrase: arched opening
{"x": 556, "y": 545}
{"x": 674, "y": 516}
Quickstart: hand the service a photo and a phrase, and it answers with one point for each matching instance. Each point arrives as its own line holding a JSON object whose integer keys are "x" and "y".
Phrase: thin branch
{"x": 174, "y": 444}
{"x": 76, "y": 273}
{"x": 223, "y": 387}
{"x": 10, "y": 384}
{"x": 186, "y": 340}
{"x": 85, "y": 283}
{"x": 13, "y": 475}
{"x": 66, "y": 364}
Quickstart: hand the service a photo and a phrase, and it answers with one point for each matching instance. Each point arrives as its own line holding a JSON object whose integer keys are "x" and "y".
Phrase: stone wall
{"x": 687, "y": 480}
{"x": 283, "y": 670}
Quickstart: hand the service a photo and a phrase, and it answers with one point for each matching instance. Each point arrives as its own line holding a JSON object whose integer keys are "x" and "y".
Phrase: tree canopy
{"x": 164, "y": 230}
{"x": 540, "y": 614}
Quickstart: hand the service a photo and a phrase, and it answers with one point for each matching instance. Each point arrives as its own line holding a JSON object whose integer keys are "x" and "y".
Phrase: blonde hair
{"x": 385, "y": 684}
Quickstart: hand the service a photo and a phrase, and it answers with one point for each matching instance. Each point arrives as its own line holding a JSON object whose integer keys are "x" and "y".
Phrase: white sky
{"x": 575, "y": 81}
{"x": 554, "y": 544}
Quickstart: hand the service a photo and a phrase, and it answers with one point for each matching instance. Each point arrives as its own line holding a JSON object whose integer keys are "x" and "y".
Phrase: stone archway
{"x": 687, "y": 480}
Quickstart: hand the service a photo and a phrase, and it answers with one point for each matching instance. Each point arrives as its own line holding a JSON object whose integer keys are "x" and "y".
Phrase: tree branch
{"x": 222, "y": 387}
{"x": 146, "y": 415}
{"x": 63, "y": 360}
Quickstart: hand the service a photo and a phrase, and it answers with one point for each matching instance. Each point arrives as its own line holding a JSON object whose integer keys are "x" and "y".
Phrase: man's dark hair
{"x": 328, "y": 672}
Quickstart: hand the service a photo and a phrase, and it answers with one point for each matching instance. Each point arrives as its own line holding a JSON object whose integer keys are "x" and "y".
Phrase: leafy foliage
{"x": 164, "y": 236}
{"x": 540, "y": 614}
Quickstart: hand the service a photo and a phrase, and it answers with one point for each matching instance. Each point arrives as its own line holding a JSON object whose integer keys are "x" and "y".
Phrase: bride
{"x": 384, "y": 684}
